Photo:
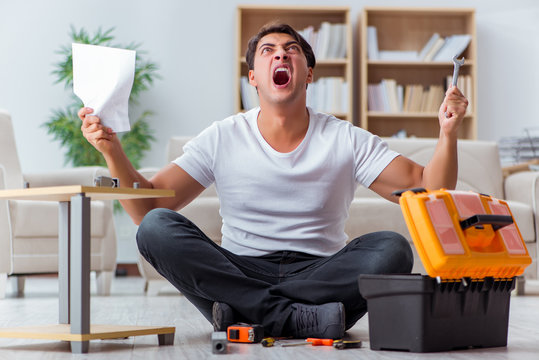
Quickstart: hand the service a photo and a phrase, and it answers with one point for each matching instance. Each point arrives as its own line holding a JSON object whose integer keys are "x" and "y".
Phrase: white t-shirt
{"x": 296, "y": 201}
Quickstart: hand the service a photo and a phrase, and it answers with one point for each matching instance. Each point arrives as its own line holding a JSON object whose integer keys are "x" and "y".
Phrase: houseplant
{"x": 64, "y": 124}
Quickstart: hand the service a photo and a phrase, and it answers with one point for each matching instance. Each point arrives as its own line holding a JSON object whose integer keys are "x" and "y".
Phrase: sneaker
{"x": 222, "y": 316}
{"x": 324, "y": 321}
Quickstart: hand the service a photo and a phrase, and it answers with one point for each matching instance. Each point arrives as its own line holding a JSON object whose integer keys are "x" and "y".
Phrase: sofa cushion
{"x": 479, "y": 162}
{"x": 40, "y": 218}
{"x": 204, "y": 212}
{"x": 374, "y": 214}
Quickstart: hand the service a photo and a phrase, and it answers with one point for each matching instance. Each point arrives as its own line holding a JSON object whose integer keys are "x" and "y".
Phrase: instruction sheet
{"x": 102, "y": 79}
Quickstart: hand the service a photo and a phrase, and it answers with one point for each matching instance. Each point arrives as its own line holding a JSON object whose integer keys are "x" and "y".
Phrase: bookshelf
{"x": 250, "y": 18}
{"x": 409, "y": 29}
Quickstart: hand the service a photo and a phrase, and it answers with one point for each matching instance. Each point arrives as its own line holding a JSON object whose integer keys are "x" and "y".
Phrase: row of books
{"x": 329, "y": 42}
{"x": 327, "y": 94}
{"x": 390, "y": 97}
{"x": 249, "y": 96}
{"x": 437, "y": 48}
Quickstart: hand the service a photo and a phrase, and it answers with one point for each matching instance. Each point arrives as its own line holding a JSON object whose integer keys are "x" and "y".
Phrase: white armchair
{"x": 29, "y": 229}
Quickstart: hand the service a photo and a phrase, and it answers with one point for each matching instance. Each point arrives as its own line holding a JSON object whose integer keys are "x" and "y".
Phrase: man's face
{"x": 280, "y": 69}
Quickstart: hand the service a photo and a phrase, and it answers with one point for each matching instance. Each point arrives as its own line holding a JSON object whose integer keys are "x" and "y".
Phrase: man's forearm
{"x": 442, "y": 169}
{"x": 120, "y": 167}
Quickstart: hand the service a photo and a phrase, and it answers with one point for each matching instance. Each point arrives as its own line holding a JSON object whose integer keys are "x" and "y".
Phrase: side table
{"x": 74, "y": 267}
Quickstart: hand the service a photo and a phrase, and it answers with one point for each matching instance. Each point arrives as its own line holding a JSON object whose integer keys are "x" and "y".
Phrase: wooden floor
{"x": 128, "y": 306}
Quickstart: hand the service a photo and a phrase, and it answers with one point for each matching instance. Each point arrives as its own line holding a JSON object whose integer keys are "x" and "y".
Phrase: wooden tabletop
{"x": 64, "y": 193}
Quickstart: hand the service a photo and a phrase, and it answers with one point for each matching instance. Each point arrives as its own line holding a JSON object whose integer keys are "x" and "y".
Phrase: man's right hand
{"x": 100, "y": 136}
{"x": 170, "y": 177}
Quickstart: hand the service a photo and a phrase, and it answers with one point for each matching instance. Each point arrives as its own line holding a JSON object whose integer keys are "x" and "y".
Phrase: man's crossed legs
{"x": 278, "y": 290}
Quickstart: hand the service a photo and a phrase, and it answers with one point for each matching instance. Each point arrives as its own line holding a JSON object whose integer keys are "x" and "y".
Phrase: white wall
{"x": 194, "y": 44}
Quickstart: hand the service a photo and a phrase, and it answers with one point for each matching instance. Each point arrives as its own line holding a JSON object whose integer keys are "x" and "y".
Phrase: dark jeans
{"x": 261, "y": 289}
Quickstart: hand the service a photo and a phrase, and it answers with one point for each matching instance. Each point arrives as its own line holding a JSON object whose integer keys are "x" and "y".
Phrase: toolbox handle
{"x": 497, "y": 221}
{"x": 417, "y": 190}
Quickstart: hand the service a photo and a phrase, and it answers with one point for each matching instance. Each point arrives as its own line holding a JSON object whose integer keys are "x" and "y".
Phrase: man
{"x": 285, "y": 176}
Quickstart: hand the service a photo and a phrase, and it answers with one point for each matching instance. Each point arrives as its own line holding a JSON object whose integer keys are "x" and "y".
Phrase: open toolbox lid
{"x": 464, "y": 234}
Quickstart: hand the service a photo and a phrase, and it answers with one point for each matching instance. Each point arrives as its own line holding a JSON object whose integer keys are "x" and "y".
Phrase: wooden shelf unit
{"x": 410, "y": 29}
{"x": 250, "y": 18}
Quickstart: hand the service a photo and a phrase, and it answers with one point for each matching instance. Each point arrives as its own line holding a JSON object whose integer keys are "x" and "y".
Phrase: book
{"x": 390, "y": 91}
{"x": 372, "y": 101}
{"x": 454, "y": 45}
{"x": 425, "y": 50}
{"x": 341, "y": 48}
{"x": 398, "y": 55}
{"x": 249, "y": 96}
{"x": 438, "y": 44}
{"x": 400, "y": 97}
{"x": 372, "y": 43}
{"x": 335, "y": 41}
{"x": 324, "y": 40}
{"x": 417, "y": 96}
{"x": 407, "y": 96}
{"x": 328, "y": 94}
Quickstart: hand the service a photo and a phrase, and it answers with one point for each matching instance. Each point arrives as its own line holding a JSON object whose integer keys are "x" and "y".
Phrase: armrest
{"x": 83, "y": 175}
{"x": 5, "y": 234}
{"x": 523, "y": 187}
{"x": 2, "y": 177}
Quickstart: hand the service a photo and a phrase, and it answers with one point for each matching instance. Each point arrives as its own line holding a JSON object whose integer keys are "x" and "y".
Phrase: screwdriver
{"x": 313, "y": 342}
{"x": 346, "y": 344}
{"x": 271, "y": 341}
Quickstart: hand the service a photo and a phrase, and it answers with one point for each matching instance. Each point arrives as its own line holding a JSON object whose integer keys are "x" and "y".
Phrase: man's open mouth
{"x": 281, "y": 76}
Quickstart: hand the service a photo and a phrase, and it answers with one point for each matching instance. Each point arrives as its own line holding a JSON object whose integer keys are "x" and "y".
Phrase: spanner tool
{"x": 456, "y": 67}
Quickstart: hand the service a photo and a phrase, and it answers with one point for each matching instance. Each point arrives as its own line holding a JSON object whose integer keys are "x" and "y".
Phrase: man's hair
{"x": 278, "y": 28}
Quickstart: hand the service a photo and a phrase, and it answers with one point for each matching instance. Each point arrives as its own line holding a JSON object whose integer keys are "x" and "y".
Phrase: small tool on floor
{"x": 272, "y": 341}
{"x": 346, "y": 344}
{"x": 456, "y": 67}
{"x": 219, "y": 343}
{"x": 311, "y": 341}
{"x": 245, "y": 333}
{"x": 268, "y": 342}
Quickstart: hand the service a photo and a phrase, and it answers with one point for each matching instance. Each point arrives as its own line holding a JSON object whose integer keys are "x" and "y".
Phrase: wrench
{"x": 456, "y": 67}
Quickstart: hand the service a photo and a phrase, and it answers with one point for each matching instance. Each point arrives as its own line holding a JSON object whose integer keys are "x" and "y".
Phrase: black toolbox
{"x": 472, "y": 250}
{"x": 419, "y": 313}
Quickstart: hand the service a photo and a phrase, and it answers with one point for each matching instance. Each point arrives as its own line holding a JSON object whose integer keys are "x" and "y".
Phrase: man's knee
{"x": 398, "y": 249}
{"x": 154, "y": 225}
{"x": 163, "y": 232}
{"x": 390, "y": 252}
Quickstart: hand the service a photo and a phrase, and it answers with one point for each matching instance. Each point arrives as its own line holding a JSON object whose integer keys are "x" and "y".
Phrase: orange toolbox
{"x": 472, "y": 251}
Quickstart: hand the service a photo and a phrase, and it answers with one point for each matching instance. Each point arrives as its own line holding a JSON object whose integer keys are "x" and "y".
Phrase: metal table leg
{"x": 63, "y": 260}
{"x": 80, "y": 271}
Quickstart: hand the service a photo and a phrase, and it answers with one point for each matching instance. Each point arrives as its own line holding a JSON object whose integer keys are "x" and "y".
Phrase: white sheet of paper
{"x": 102, "y": 79}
